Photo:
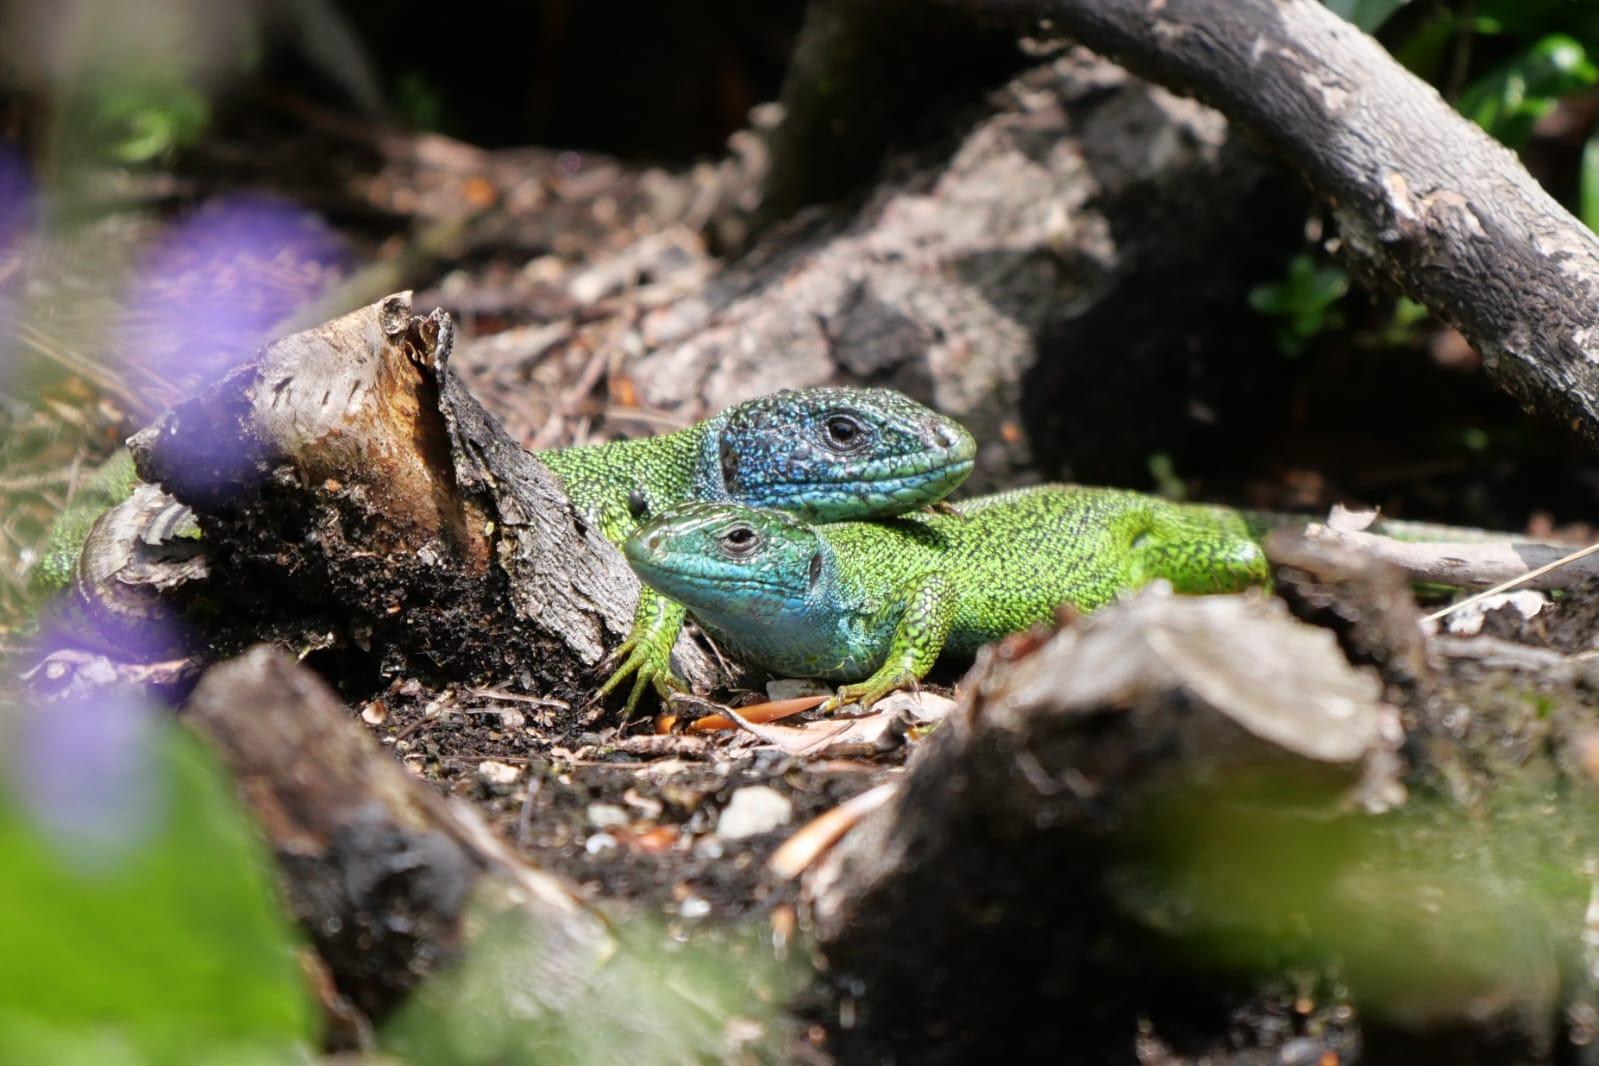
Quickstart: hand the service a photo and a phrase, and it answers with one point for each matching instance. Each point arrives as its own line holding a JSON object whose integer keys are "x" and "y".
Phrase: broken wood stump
{"x": 353, "y": 496}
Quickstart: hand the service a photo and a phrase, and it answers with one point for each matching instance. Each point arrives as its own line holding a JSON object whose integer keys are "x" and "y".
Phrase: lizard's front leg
{"x": 924, "y": 623}
{"x": 646, "y": 654}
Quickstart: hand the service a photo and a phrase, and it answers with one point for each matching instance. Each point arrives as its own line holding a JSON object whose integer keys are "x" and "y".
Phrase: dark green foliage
{"x": 1304, "y": 302}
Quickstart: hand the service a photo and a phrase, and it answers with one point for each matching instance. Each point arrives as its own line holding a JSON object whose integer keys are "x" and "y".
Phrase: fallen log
{"x": 381, "y": 872}
{"x": 1075, "y": 240}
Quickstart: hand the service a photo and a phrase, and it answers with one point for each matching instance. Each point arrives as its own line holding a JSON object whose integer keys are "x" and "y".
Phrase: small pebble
{"x": 599, "y": 842}
{"x": 497, "y": 773}
{"x": 606, "y": 815}
{"x": 752, "y": 811}
{"x": 1468, "y": 621}
{"x": 376, "y": 713}
{"x": 648, "y": 806}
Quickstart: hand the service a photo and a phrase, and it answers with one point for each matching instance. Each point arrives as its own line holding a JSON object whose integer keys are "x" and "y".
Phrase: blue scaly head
{"x": 729, "y": 563}
{"x": 764, "y": 580}
{"x": 834, "y": 454}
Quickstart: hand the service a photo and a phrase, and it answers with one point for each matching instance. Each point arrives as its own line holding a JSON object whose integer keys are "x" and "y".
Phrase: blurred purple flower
{"x": 216, "y": 281}
{"x": 17, "y": 204}
{"x": 86, "y": 772}
{"x": 204, "y": 297}
{"x": 16, "y": 201}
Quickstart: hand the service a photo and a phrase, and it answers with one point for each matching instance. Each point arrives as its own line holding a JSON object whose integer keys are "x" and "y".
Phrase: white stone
{"x": 606, "y": 815}
{"x": 752, "y": 811}
{"x": 497, "y": 773}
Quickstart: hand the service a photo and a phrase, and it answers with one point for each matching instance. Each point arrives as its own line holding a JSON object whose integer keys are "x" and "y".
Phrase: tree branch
{"x": 1422, "y": 196}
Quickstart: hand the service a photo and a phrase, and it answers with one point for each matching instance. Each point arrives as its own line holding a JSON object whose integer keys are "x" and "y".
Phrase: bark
{"x": 1367, "y": 604}
{"x": 1011, "y": 836}
{"x": 385, "y": 876}
{"x": 351, "y": 493}
{"x": 863, "y": 77}
{"x": 1422, "y": 196}
{"x": 1075, "y": 241}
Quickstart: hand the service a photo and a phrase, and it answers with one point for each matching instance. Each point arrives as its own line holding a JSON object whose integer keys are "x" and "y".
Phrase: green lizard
{"x": 882, "y": 600}
{"x": 825, "y": 453}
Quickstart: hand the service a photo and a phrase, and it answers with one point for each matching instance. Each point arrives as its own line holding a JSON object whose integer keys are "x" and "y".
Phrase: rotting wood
{"x": 346, "y": 483}
{"x": 428, "y": 923}
{"x": 1085, "y": 214}
{"x": 382, "y": 873}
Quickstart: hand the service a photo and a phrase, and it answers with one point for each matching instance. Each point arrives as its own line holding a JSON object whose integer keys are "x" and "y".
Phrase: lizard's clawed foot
{"x": 866, "y": 692}
{"x": 648, "y": 666}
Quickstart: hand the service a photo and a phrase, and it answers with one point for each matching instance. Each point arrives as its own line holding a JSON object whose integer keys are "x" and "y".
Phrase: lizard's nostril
{"x": 941, "y": 434}
{"x": 653, "y": 541}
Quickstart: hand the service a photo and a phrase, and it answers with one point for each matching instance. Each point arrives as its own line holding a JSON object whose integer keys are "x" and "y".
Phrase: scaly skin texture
{"x": 882, "y": 600}
{"x": 828, "y": 454}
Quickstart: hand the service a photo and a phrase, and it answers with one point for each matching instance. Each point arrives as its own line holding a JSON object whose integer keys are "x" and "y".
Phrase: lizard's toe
{"x": 647, "y": 670}
{"x": 866, "y": 692}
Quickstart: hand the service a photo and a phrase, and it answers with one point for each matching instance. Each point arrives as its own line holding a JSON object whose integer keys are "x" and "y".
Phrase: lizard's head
{"x": 836, "y": 454}
{"x": 729, "y": 561}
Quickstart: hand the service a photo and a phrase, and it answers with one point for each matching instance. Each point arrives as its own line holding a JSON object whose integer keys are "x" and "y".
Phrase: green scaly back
{"x": 882, "y": 600}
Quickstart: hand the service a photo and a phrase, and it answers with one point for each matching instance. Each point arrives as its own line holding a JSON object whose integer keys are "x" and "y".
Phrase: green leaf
{"x": 1588, "y": 189}
{"x": 141, "y": 925}
{"x": 1271, "y": 299}
{"x": 1304, "y": 300}
{"x": 1325, "y": 286}
{"x": 1510, "y": 99}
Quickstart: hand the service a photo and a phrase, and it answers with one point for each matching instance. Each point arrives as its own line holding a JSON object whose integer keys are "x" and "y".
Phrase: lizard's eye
{"x": 740, "y": 540}
{"x": 843, "y": 432}
{"x": 637, "y": 505}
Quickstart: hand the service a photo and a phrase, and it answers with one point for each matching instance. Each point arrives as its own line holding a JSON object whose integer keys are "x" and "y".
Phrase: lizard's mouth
{"x": 722, "y": 592}
{"x": 883, "y": 493}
